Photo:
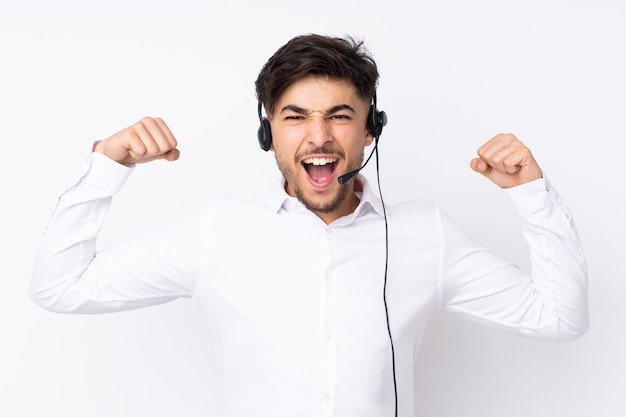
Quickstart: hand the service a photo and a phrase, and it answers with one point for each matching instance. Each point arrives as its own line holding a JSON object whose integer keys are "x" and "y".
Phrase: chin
{"x": 323, "y": 205}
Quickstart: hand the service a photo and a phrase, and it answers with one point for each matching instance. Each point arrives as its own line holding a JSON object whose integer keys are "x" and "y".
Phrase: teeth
{"x": 319, "y": 161}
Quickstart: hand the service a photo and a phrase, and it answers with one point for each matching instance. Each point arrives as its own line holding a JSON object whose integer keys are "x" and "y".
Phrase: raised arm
{"x": 550, "y": 300}
{"x": 71, "y": 276}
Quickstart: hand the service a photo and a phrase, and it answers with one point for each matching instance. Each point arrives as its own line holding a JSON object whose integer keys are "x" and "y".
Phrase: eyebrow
{"x": 332, "y": 110}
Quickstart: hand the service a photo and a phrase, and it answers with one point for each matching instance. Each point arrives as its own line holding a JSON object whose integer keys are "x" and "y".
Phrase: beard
{"x": 318, "y": 206}
{"x": 322, "y": 207}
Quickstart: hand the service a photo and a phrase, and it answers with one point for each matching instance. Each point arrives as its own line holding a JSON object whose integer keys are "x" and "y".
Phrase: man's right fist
{"x": 145, "y": 141}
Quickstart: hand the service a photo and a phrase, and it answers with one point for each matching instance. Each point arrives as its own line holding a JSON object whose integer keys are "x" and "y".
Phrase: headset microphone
{"x": 348, "y": 176}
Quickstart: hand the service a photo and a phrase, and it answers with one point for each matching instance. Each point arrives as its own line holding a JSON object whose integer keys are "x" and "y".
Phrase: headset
{"x": 376, "y": 120}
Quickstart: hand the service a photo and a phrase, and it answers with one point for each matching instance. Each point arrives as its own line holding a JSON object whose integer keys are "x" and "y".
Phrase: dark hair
{"x": 339, "y": 59}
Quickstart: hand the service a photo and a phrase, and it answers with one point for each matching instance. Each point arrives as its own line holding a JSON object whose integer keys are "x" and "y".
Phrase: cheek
{"x": 284, "y": 153}
{"x": 352, "y": 139}
{"x": 286, "y": 139}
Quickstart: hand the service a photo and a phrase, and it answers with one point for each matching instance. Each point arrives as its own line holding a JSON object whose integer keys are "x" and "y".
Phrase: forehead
{"x": 315, "y": 93}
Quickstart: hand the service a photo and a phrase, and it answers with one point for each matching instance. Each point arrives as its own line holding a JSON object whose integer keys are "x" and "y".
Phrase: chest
{"x": 274, "y": 278}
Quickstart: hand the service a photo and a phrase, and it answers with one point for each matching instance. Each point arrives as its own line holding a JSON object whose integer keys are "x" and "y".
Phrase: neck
{"x": 346, "y": 208}
{"x": 331, "y": 211}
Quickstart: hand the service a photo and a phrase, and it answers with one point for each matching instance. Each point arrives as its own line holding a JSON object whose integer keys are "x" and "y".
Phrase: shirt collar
{"x": 279, "y": 201}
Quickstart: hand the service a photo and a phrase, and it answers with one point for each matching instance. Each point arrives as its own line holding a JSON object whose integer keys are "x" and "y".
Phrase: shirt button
{"x": 329, "y": 276}
{"x": 326, "y": 397}
{"x": 329, "y": 335}
{"x": 329, "y": 231}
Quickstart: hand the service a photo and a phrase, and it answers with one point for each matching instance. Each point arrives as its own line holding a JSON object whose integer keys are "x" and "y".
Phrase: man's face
{"x": 319, "y": 133}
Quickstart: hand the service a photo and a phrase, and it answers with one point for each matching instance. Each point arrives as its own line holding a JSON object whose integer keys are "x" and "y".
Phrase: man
{"x": 318, "y": 307}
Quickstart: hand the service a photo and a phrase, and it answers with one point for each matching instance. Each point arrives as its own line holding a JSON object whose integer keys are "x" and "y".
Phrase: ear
{"x": 369, "y": 138}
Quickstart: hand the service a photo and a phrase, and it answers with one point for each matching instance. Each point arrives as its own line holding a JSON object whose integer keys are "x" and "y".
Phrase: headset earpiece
{"x": 376, "y": 120}
{"x": 265, "y": 132}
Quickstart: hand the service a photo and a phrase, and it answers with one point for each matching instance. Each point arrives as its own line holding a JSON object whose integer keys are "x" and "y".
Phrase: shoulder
{"x": 415, "y": 217}
{"x": 231, "y": 209}
{"x": 412, "y": 209}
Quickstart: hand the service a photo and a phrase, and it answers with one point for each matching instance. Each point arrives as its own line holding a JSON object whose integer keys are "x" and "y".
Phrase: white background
{"x": 453, "y": 74}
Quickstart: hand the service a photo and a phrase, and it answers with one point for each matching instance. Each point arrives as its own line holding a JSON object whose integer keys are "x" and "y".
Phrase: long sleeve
{"x": 71, "y": 276}
{"x": 550, "y": 302}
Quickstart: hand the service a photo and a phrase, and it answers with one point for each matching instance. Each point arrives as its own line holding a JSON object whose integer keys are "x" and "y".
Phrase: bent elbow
{"x": 568, "y": 332}
{"x": 45, "y": 299}
{"x": 57, "y": 298}
{"x": 579, "y": 331}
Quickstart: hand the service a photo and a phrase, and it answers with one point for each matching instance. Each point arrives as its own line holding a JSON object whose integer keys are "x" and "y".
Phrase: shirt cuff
{"x": 106, "y": 174}
{"x": 532, "y": 197}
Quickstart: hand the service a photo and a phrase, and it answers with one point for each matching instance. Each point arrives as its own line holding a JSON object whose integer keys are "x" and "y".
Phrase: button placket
{"x": 327, "y": 323}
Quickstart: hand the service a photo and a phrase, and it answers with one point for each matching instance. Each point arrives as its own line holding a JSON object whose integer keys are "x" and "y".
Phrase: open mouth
{"x": 320, "y": 170}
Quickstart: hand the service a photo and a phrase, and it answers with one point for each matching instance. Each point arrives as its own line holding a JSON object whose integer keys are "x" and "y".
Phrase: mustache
{"x": 326, "y": 150}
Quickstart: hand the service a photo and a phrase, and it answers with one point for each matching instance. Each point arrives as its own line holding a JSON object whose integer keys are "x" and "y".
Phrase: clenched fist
{"x": 506, "y": 161}
{"x": 145, "y": 141}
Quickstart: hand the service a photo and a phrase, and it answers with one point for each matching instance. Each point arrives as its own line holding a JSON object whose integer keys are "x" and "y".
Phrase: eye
{"x": 340, "y": 118}
{"x": 294, "y": 117}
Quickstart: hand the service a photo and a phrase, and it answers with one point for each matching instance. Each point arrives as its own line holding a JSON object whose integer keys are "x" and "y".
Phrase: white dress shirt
{"x": 296, "y": 305}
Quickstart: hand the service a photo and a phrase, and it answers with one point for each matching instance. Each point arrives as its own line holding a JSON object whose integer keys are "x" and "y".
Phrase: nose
{"x": 318, "y": 132}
